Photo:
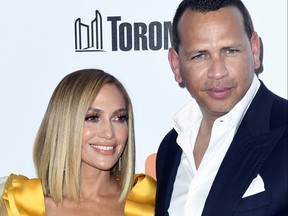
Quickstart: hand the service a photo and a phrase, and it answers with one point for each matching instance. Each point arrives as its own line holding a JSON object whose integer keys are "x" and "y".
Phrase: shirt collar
{"x": 190, "y": 114}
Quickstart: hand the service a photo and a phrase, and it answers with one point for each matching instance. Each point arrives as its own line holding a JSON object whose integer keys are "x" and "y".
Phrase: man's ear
{"x": 174, "y": 64}
{"x": 256, "y": 49}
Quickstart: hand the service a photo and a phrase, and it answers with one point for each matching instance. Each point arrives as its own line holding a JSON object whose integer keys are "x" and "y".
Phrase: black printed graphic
{"x": 124, "y": 35}
{"x": 89, "y": 37}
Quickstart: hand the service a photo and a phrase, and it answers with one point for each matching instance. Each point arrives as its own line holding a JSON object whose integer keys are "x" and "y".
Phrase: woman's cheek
{"x": 88, "y": 133}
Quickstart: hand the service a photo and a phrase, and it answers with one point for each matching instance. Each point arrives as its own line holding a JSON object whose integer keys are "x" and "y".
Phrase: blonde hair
{"x": 57, "y": 147}
{"x": 3, "y": 210}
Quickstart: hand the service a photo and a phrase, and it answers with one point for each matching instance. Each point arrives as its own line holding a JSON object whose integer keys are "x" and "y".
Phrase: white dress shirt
{"x": 191, "y": 186}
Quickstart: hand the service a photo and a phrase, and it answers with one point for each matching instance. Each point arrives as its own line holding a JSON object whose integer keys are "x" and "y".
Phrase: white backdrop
{"x": 38, "y": 49}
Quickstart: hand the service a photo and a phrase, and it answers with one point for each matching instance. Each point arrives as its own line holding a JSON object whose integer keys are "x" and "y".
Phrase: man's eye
{"x": 198, "y": 57}
{"x": 231, "y": 51}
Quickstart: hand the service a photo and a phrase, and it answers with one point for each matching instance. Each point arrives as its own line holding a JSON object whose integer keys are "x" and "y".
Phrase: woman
{"x": 83, "y": 152}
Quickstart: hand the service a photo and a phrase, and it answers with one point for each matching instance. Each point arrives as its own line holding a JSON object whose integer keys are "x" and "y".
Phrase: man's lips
{"x": 219, "y": 93}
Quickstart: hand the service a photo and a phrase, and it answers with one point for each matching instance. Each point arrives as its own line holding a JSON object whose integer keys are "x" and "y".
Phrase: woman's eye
{"x": 92, "y": 118}
{"x": 122, "y": 118}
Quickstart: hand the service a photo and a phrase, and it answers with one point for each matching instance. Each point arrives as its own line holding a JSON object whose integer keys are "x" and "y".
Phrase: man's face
{"x": 216, "y": 59}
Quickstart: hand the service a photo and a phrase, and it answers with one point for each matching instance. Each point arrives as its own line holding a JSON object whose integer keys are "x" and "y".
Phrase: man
{"x": 227, "y": 151}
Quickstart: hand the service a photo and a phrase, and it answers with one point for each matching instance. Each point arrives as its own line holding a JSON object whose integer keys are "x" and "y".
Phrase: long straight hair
{"x": 57, "y": 147}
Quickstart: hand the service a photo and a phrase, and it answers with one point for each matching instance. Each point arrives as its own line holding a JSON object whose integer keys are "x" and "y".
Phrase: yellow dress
{"x": 24, "y": 197}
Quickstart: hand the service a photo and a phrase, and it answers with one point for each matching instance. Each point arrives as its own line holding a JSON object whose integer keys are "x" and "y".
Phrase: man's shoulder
{"x": 265, "y": 91}
{"x": 269, "y": 100}
{"x": 169, "y": 147}
{"x": 279, "y": 106}
{"x": 169, "y": 138}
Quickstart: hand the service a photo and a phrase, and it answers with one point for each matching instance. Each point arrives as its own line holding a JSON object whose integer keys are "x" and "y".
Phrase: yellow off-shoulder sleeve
{"x": 23, "y": 196}
{"x": 141, "y": 200}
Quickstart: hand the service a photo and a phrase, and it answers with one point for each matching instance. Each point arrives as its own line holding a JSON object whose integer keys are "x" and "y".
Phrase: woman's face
{"x": 105, "y": 129}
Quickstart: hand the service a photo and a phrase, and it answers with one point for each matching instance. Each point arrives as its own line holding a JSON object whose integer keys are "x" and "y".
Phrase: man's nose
{"x": 217, "y": 69}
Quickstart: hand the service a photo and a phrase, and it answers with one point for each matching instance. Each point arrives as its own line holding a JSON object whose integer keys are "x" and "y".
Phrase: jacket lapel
{"x": 249, "y": 149}
{"x": 239, "y": 167}
{"x": 169, "y": 166}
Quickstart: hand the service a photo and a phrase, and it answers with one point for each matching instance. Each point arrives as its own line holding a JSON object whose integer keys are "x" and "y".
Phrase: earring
{"x": 119, "y": 164}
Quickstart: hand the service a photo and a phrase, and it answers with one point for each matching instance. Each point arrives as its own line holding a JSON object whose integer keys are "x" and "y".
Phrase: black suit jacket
{"x": 260, "y": 146}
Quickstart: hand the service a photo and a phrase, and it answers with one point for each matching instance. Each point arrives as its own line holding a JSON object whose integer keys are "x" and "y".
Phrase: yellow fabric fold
{"x": 23, "y": 196}
{"x": 141, "y": 199}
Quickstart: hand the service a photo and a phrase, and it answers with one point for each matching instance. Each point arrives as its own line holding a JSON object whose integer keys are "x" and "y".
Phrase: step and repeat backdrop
{"x": 42, "y": 41}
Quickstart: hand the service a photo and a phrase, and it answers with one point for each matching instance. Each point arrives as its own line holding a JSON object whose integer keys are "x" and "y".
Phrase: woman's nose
{"x": 106, "y": 130}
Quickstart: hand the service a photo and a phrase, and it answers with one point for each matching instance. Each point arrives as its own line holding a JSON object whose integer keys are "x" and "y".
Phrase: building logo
{"x": 124, "y": 36}
{"x": 89, "y": 37}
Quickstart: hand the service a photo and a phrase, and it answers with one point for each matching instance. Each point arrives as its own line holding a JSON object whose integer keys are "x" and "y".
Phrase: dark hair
{"x": 204, "y": 6}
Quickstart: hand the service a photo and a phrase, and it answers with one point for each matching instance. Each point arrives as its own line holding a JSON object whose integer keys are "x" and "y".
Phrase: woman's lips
{"x": 103, "y": 149}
